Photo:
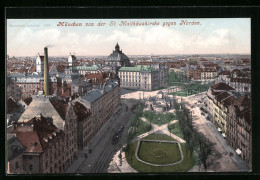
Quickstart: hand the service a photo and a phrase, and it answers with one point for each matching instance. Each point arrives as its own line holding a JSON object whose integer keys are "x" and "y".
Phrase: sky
{"x": 28, "y": 37}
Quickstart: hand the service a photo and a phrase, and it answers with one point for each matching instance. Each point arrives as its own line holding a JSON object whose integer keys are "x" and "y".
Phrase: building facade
{"x": 144, "y": 77}
{"x": 230, "y": 112}
{"x": 102, "y": 103}
{"x": 14, "y": 155}
{"x": 240, "y": 80}
{"x": 45, "y": 151}
{"x": 31, "y": 84}
{"x": 239, "y": 135}
{"x": 62, "y": 115}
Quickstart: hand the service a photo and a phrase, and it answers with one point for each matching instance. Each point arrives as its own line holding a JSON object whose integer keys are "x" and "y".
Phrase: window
{"x": 46, "y": 164}
{"x": 30, "y": 157}
{"x": 30, "y": 167}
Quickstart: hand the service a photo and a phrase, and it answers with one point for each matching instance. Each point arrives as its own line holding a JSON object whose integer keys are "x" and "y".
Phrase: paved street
{"x": 221, "y": 160}
{"x": 103, "y": 151}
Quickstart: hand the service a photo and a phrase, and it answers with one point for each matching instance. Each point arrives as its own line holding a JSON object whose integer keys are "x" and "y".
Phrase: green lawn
{"x": 168, "y": 152}
{"x": 179, "y": 93}
{"x": 158, "y": 119}
{"x": 192, "y": 88}
{"x": 177, "y": 77}
{"x": 184, "y": 166}
{"x": 142, "y": 127}
{"x": 176, "y": 129}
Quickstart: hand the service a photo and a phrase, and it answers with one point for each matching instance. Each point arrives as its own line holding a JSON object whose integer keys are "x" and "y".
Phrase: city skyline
{"x": 211, "y": 36}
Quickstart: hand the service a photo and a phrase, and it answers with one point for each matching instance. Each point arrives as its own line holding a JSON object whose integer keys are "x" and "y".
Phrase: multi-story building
{"x": 31, "y": 84}
{"x": 203, "y": 70}
{"x": 45, "y": 146}
{"x": 14, "y": 155}
{"x": 144, "y": 77}
{"x": 80, "y": 87}
{"x": 222, "y": 77}
{"x": 239, "y": 128}
{"x": 102, "y": 102}
{"x": 240, "y": 80}
{"x": 230, "y": 112}
{"x": 216, "y": 103}
{"x": 62, "y": 115}
{"x": 85, "y": 126}
{"x": 83, "y": 69}
{"x": 208, "y": 73}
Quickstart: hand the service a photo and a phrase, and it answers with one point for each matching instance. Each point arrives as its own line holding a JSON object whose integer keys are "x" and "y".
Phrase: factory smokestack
{"x": 46, "y": 72}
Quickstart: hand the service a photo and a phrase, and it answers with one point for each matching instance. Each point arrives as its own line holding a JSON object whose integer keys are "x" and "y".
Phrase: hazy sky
{"x": 26, "y": 37}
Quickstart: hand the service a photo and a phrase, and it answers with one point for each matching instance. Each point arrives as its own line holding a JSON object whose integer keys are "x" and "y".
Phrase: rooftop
{"x": 97, "y": 93}
{"x": 221, "y": 86}
{"x": 37, "y": 134}
{"x": 138, "y": 68}
{"x": 42, "y": 104}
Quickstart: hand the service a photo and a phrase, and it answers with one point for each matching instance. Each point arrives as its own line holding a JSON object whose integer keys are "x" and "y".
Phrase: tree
{"x": 205, "y": 149}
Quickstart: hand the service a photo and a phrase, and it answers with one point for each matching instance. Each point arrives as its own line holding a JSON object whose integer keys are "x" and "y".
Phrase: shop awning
{"x": 238, "y": 151}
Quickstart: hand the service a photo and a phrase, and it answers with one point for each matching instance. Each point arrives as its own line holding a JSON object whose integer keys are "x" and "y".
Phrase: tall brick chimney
{"x": 46, "y": 72}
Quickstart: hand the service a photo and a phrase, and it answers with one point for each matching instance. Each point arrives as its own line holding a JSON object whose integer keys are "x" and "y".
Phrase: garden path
{"x": 163, "y": 128}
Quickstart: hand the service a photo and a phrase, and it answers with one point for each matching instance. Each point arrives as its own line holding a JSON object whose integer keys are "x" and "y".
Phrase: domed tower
{"x": 117, "y": 58}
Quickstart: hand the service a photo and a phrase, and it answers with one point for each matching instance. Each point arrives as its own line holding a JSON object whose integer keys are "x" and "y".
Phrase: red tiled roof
{"x": 100, "y": 77}
{"x": 209, "y": 70}
{"x": 221, "y": 96}
{"x": 203, "y": 60}
{"x": 221, "y": 86}
{"x": 228, "y": 101}
{"x": 37, "y": 134}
